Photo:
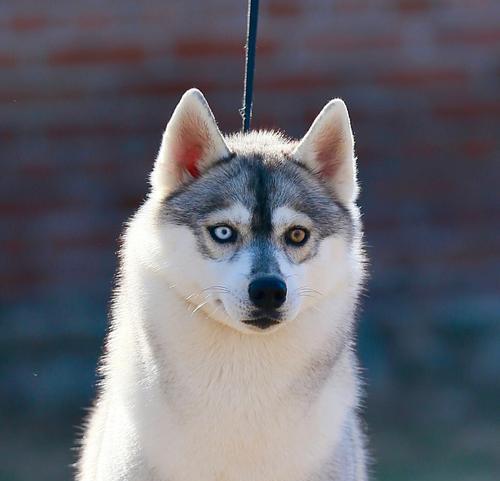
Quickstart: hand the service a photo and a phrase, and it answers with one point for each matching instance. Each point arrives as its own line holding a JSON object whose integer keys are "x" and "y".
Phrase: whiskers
{"x": 198, "y": 307}
{"x": 206, "y": 295}
{"x": 216, "y": 289}
{"x": 308, "y": 292}
{"x": 312, "y": 294}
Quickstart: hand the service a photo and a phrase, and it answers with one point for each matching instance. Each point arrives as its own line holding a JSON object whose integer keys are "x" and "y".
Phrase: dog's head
{"x": 253, "y": 229}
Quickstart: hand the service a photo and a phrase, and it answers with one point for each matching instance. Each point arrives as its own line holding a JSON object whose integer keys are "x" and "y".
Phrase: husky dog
{"x": 230, "y": 354}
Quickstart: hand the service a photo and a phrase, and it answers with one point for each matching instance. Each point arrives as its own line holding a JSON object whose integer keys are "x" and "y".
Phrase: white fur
{"x": 189, "y": 394}
{"x": 199, "y": 400}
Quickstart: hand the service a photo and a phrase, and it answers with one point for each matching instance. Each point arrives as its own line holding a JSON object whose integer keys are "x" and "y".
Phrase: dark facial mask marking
{"x": 261, "y": 185}
{"x": 263, "y": 260}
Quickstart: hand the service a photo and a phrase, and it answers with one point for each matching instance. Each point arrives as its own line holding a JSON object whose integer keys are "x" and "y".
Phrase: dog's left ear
{"x": 191, "y": 143}
{"x": 328, "y": 150}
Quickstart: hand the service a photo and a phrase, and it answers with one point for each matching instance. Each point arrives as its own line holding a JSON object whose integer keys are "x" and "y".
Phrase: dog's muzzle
{"x": 267, "y": 294}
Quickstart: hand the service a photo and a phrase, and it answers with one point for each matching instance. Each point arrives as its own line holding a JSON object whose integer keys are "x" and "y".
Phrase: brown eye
{"x": 297, "y": 236}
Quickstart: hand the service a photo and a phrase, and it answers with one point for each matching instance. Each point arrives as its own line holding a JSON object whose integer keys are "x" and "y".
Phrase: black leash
{"x": 246, "y": 111}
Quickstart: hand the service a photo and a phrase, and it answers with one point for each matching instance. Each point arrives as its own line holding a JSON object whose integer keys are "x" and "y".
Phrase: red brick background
{"x": 86, "y": 89}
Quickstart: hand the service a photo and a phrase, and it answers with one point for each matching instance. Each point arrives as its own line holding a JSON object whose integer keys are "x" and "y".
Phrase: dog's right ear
{"x": 191, "y": 143}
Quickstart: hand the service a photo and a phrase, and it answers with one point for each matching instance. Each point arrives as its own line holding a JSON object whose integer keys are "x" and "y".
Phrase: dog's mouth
{"x": 261, "y": 322}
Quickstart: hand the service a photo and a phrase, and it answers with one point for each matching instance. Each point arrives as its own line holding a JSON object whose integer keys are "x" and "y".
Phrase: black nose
{"x": 267, "y": 292}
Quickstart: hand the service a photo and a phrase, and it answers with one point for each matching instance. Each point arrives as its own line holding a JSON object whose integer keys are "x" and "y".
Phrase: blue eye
{"x": 222, "y": 234}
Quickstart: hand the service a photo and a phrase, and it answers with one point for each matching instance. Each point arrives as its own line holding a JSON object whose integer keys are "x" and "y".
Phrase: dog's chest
{"x": 235, "y": 419}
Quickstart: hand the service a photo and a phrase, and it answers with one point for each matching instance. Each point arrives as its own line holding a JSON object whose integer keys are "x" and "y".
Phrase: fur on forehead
{"x": 261, "y": 181}
{"x": 193, "y": 144}
{"x": 268, "y": 144}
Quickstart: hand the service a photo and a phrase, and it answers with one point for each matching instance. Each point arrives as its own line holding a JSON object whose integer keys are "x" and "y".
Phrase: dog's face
{"x": 254, "y": 229}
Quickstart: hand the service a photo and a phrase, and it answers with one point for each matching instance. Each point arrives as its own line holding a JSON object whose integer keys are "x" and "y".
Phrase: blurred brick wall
{"x": 86, "y": 89}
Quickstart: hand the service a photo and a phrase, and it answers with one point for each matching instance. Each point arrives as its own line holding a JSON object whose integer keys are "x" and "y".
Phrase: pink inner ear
{"x": 327, "y": 153}
{"x": 189, "y": 158}
{"x": 193, "y": 138}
